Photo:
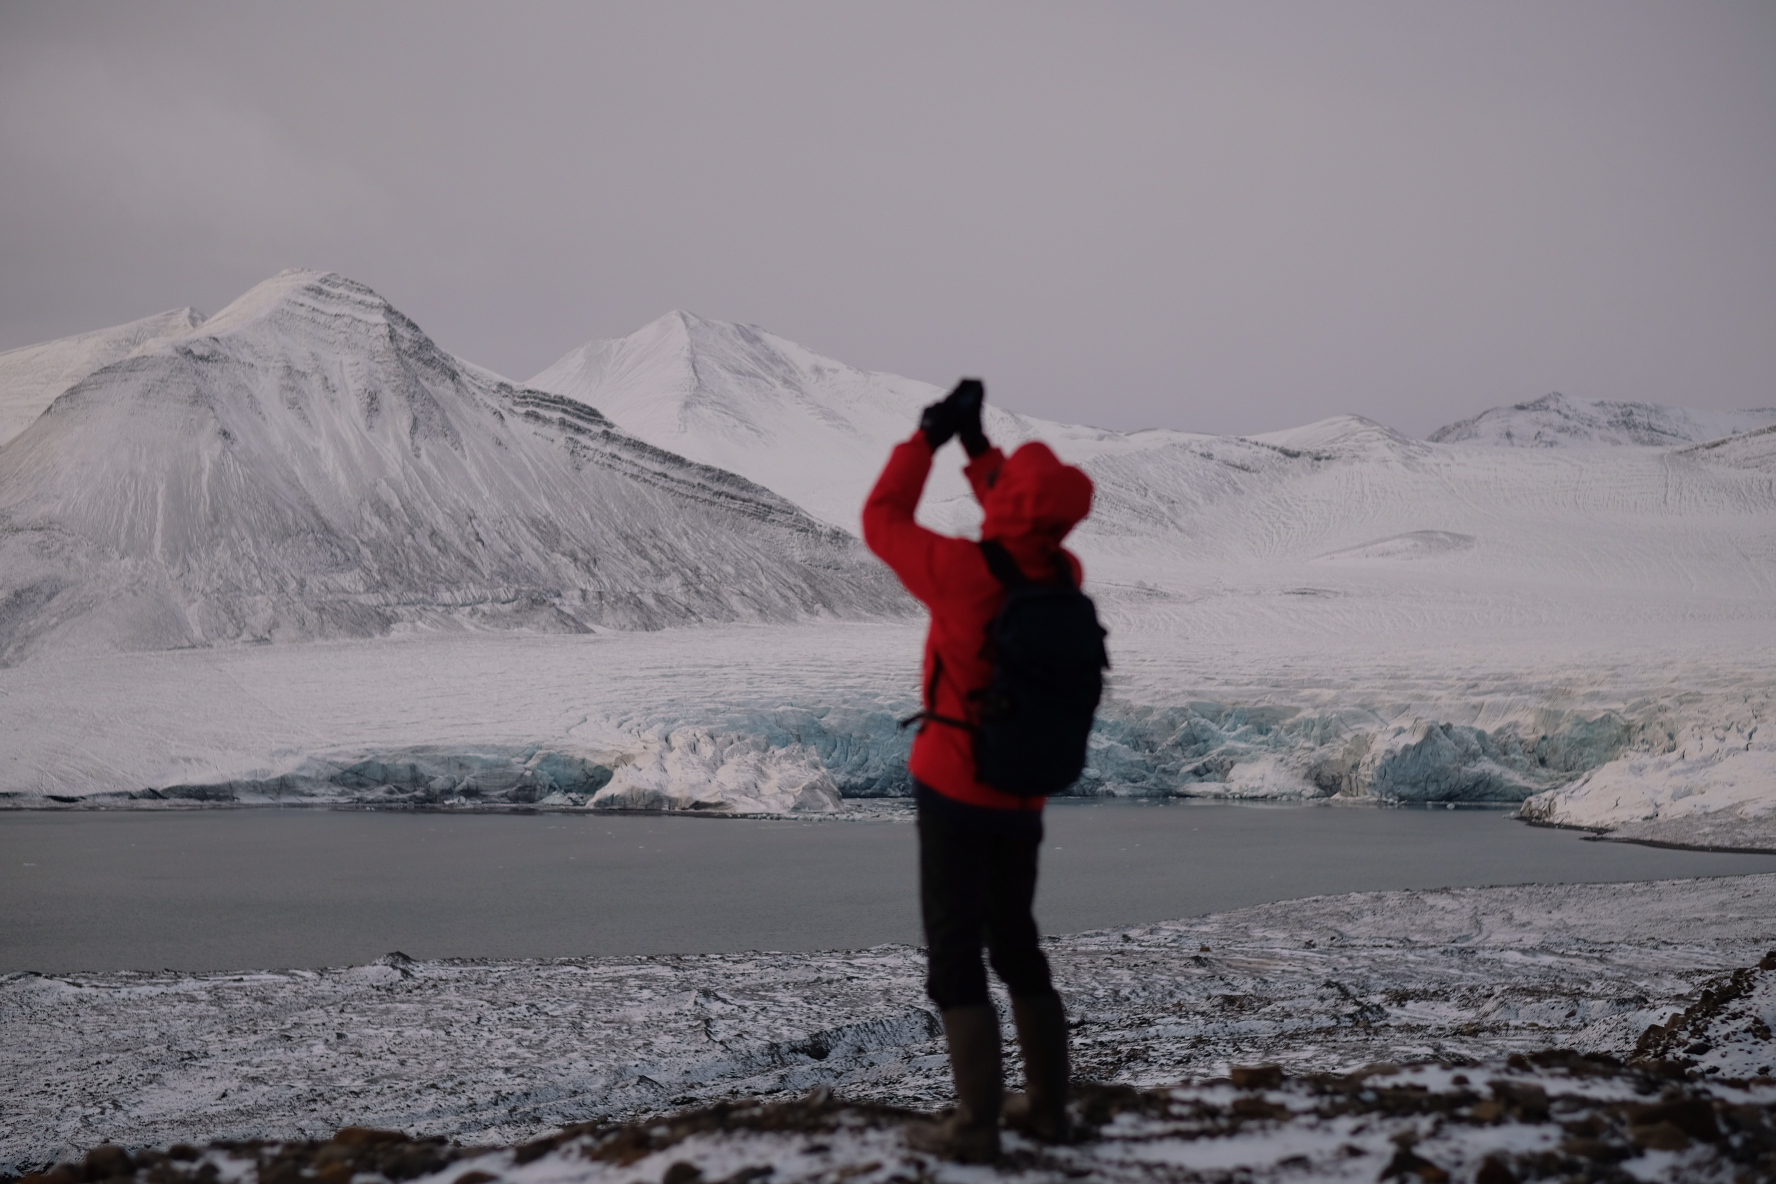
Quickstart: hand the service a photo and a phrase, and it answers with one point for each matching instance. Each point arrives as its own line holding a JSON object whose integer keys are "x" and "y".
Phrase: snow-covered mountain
{"x": 813, "y": 429}
{"x": 1170, "y": 503}
{"x": 1555, "y": 420}
{"x": 1336, "y": 547}
{"x": 309, "y": 464}
{"x": 1335, "y": 608}
{"x": 32, "y": 376}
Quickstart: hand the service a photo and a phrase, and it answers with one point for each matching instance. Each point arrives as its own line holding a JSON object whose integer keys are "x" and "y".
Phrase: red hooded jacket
{"x": 1031, "y": 501}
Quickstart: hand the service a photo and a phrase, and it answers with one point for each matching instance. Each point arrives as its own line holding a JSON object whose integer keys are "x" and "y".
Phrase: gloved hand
{"x": 957, "y": 412}
{"x": 968, "y": 396}
{"x": 938, "y": 423}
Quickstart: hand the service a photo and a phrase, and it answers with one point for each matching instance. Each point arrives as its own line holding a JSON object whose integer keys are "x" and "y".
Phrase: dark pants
{"x": 977, "y": 881}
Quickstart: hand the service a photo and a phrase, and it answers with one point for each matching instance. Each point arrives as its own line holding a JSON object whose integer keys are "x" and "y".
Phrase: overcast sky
{"x": 1220, "y": 217}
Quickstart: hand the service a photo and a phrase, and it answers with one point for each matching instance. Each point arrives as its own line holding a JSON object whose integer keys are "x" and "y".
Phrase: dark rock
{"x": 363, "y": 1136}
{"x": 535, "y": 1150}
{"x": 1660, "y": 1136}
{"x": 1522, "y": 1100}
{"x": 1693, "y": 1116}
{"x": 1256, "y": 1076}
{"x": 60, "y": 1174}
{"x": 1260, "y": 1109}
{"x": 105, "y": 1161}
{"x": 1407, "y": 1164}
{"x": 1494, "y": 1170}
{"x": 682, "y": 1173}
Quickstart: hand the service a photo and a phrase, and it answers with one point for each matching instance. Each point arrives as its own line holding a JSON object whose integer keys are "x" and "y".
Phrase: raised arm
{"x": 889, "y": 530}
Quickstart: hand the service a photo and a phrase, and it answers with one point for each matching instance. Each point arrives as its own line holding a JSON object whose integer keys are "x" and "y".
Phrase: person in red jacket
{"x": 978, "y": 844}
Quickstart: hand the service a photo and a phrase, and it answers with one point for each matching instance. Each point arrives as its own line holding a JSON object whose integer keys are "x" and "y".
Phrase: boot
{"x": 1041, "y": 1112}
{"x": 971, "y": 1132}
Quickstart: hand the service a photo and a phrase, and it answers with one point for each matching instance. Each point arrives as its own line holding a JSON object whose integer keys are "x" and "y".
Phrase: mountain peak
{"x": 1347, "y": 436}
{"x": 742, "y": 399}
{"x": 312, "y": 465}
{"x": 300, "y": 292}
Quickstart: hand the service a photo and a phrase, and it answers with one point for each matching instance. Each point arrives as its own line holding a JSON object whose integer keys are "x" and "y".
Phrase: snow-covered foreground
{"x": 485, "y": 1052}
{"x": 1551, "y": 1114}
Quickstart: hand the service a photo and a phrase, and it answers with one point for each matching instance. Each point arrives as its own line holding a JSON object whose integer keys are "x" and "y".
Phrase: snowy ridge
{"x": 32, "y": 376}
{"x": 1748, "y": 450}
{"x": 1346, "y": 437}
{"x": 1556, "y": 421}
{"x": 311, "y": 465}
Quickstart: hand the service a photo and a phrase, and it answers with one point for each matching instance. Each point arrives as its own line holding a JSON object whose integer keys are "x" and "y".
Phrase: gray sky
{"x": 1220, "y": 217}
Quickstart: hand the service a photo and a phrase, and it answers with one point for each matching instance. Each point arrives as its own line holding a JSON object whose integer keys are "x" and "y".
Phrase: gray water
{"x": 240, "y": 889}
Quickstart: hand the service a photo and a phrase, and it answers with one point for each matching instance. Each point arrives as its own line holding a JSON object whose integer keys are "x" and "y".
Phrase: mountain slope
{"x": 310, "y": 464}
{"x": 810, "y": 428}
{"x": 1746, "y": 450}
{"x": 1555, "y": 420}
{"x": 1177, "y": 508}
{"x": 32, "y": 376}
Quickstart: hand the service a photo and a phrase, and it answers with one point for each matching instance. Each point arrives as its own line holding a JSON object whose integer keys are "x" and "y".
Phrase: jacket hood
{"x": 1034, "y": 494}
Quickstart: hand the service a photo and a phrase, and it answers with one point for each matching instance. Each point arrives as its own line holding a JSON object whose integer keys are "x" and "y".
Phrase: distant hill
{"x": 1555, "y": 420}
{"x": 31, "y": 377}
{"x": 309, "y": 464}
{"x": 1747, "y": 450}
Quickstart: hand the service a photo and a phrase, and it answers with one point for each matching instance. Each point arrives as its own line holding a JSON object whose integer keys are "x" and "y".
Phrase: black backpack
{"x": 1048, "y": 675}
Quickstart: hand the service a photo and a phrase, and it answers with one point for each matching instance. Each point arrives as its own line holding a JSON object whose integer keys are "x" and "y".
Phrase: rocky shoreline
{"x": 1554, "y": 1114}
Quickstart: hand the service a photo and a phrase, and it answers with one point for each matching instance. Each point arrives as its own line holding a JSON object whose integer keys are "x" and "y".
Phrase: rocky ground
{"x": 1661, "y": 992}
{"x": 1551, "y": 1115}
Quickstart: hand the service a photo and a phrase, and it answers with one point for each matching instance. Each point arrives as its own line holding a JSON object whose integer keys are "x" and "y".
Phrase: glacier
{"x": 632, "y": 582}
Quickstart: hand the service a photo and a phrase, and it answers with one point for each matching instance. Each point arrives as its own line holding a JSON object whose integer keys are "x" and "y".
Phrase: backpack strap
{"x": 1007, "y": 572}
{"x": 929, "y": 711}
{"x": 1002, "y": 565}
